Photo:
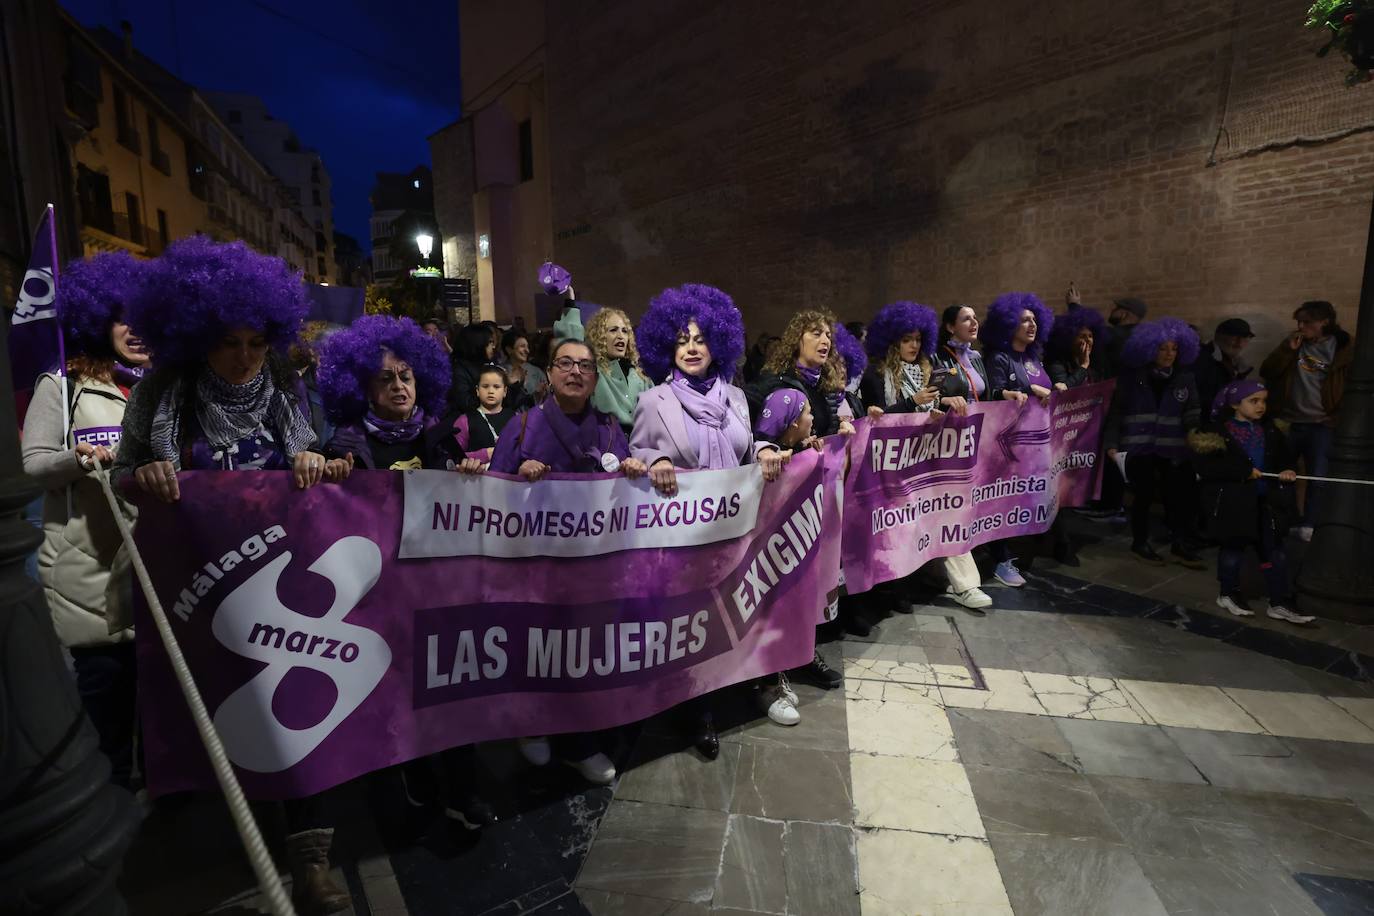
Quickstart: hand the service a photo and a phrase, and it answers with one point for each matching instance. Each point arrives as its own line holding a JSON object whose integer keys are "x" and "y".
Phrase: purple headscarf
{"x": 1235, "y": 392}
{"x": 780, "y": 410}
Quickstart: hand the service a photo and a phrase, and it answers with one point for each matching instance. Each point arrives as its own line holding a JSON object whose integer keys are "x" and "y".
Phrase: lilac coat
{"x": 661, "y": 428}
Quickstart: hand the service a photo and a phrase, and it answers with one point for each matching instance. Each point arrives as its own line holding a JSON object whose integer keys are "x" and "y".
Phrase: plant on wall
{"x": 1351, "y": 24}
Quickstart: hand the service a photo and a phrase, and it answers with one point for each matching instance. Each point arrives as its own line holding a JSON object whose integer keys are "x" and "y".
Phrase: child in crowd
{"x": 479, "y": 428}
{"x": 1244, "y": 509}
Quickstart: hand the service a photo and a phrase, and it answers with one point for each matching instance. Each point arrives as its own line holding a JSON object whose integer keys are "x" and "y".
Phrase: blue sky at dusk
{"x": 365, "y": 112}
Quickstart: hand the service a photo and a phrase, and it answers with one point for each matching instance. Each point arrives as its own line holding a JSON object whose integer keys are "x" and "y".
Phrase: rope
{"x": 1367, "y": 483}
{"x": 269, "y": 882}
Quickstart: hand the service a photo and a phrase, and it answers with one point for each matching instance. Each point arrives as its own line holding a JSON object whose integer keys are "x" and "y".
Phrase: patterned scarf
{"x": 228, "y": 414}
{"x": 392, "y": 432}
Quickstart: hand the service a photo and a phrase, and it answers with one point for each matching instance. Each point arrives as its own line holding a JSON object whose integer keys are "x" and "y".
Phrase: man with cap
{"x": 1220, "y": 361}
{"x": 1125, "y": 315}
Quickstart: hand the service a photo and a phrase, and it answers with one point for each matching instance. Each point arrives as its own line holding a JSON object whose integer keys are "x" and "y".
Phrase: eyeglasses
{"x": 568, "y": 364}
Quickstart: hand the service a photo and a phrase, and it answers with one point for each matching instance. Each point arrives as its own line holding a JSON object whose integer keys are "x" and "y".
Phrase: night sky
{"x": 365, "y": 112}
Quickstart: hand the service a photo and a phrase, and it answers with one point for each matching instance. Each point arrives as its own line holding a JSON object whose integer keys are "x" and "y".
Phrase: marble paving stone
{"x": 1317, "y": 835}
{"x": 886, "y": 652}
{"x": 656, "y": 851}
{"x": 1039, "y": 804}
{"x": 664, "y": 773}
{"x": 793, "y": 784}
{"x": 1262, "y": 763}
{"x": 924, "y": 624}
{"x": 600, "y": 903}
{"x": 953, "y": 675}
{"x": 1056, "y": 876}
{"x": 932, "y": 796}
{"x": 1086, "y": 698}
{"x": 891, "y": 692}
{"x": 1057, "y": 656}
{"x": 752, "y": 875}
{"x": 1301, "y": 715}
{"x": 1176, "y": 820}
{"x": 987, "y": 652}
{"x": 1122, "y": 749}
{"x": 1191, "y": 706}
{"x": 1346, "y": 770}
{"x": 1339, "y": 896}
{"x": 1006, "y": 691}
{"x": 822, "y": 726}
{"x": 1013, "y": 741}
{"x": 1097, "y": 632}
{"x": 900, "y": 730}
{"x": 1231, "y": 888}
{"x": 881, "y": 669}
{"x": 1361, "y": 708}
{"x": 906, "y": 874}
{"x": 819, "y": 859}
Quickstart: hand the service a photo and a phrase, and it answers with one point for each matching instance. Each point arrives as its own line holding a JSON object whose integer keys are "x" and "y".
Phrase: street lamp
{"x": 425, "y": 243}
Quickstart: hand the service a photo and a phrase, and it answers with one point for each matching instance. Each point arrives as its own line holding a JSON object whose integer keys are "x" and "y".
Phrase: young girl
{"x": 479, "y": 428}
{"x": 1244, "y": 509}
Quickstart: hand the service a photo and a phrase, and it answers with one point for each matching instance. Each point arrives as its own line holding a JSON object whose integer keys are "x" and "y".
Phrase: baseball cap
{"x": 1235, "y": 327}
{"x": 1135, "y": 306}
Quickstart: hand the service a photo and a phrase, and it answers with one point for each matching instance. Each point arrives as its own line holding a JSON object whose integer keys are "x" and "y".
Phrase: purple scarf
{"x": 961, "y": 354}
{"x": 579, "y": 434}
{"x": 128, "y": 376}
{"x": 812, "y": 377}
{"x": 392, "y": 432}
{"x": 720, "y": 438}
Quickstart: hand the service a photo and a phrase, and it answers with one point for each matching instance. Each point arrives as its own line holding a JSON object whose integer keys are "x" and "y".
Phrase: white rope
{"x": 269, "y": 882}
{"x": 1367, "y": 483}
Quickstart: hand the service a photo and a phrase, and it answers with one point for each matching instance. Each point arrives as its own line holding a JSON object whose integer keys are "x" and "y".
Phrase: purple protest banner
{"x": 919, "y": 488}
{"x": 35, "y": 343}
{"x": 323, "y": 655}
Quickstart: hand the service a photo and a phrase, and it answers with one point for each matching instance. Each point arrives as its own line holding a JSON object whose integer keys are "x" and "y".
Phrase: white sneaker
{"x": 1231, "y": 606}
{"x": 596, "y": 769}
{"x": 781, "y": 708}
{"x": 1279, "y": 612}
{"x": 972, "y": 598}
{"x": 786, "y": 687}
{"x": 535, "y": 750}
{"x": 1303, "y": 533}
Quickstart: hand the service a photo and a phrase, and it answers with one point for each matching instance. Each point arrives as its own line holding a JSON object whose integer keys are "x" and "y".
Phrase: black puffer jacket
{"x": 1231, "y": 499}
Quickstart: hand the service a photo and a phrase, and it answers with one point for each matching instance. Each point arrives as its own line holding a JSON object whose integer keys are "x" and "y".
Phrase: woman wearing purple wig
{"x": 901, "y": 341}
{"x": 1072, "y": 342}
{"x": 70, "y": 424}
{"x": 692, "y": 337}
{"x": 1155, "y": 407}
{"x": 218, "y": 319}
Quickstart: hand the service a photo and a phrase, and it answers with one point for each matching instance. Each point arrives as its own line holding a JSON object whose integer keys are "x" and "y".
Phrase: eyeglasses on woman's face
{"x": 568, "y": 364}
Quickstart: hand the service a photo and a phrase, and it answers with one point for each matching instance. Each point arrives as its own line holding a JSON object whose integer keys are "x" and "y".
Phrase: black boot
{"x": 704, "y": 736}
{"x": 313, "y": 891}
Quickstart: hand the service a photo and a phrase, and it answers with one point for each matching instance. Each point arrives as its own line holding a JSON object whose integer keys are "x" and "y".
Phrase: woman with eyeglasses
{"x": 566, "y": 434}
{"x": 693, "y": 337}
{"x": 218, "y": 319}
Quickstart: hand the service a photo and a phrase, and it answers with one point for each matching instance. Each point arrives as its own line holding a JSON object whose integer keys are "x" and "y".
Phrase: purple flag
{"x": 35, "y": 333}
{"x": 920, "y": 488}
{"x": 326, "y": 648}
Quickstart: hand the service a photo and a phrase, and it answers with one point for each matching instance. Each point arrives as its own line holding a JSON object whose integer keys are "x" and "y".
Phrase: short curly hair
{"x": 783, "y": 357}
{"x": 92, "y": 295}
{"x": 596, "y": 336}
{"x": 999, "y": 327}
{"x": 898, "y": 319}
{"x": 1149, "y": 336}
{"x": 1066, "y": 328}
{"x": 198, "y": 289}
{"x": 351, "y": 357}
{"x": 851, "y": 351}
{"x": 669, "y": 314}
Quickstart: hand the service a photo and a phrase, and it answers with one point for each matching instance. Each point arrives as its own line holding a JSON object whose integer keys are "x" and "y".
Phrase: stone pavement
{"x": 1102, "y": 741}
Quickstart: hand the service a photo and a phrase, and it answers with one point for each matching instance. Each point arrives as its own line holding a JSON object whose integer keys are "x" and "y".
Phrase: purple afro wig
{"x": 851, "y": 351}
{"x": 351, "y": 357}
{"x": 1066, "y": 328}
{"x": 199, "y": 289}
{"x": 92, "y": 295}
{"x": 668, "y": 316}
{"x": 895, "y": 321}
{"x": 999, "y": 327}
{"x": 1149, "y": 336}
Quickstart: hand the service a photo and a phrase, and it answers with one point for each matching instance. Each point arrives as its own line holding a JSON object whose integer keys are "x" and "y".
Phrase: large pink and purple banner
{"x": 920, "y": 488}
{"x": 342, "y": 629}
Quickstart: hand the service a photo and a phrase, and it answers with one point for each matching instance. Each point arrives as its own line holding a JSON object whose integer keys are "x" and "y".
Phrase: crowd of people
{"x": 199, "y": 360}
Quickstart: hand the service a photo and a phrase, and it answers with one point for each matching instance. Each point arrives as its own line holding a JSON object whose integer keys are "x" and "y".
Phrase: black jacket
{"x": 824, "y": 421}
{"x": 1231, "y": 501}
{"x": 462, "y": 392}
{"x": 956, "y": 383}
{"x": 873, "y": 391}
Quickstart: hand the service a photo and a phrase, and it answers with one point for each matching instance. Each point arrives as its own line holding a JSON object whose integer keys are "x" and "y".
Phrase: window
{"x": 315, "y": 173}
{"x": 125, "y": 132}
{"x": 319, "y": 241}
{"x": 135, "y": 216}
{"x": 163, "y": 232}
{"x": 526, "y": 151}
{"x": 93, "y": 195}
{"x": 315, "y": 196}
{"x": 161, "y": 161}
{"x": 319, "y": 267}
{"x": 82, "y": 82}
{"x": 415, "y": 184}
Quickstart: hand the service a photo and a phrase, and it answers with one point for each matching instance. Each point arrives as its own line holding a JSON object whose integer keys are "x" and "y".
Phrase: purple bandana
{"x": 780, "y": 410}
{"x": 554, "y": 279}
{"x": 393, "y": 431}
{"x": 1234, "y": 393}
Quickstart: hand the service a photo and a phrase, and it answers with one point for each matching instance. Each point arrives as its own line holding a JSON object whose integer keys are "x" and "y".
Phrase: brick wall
{"x": 944, "y": 152}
